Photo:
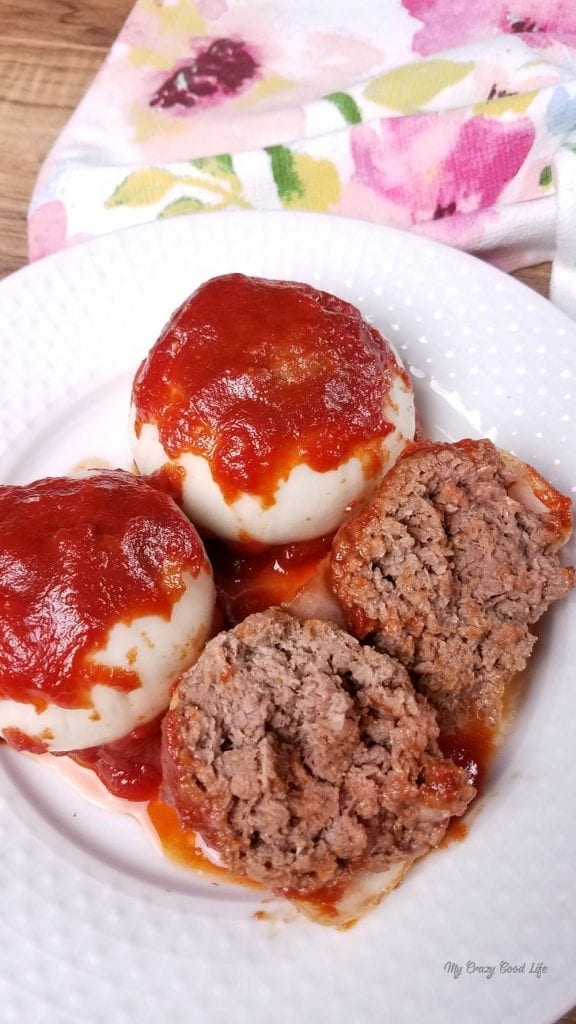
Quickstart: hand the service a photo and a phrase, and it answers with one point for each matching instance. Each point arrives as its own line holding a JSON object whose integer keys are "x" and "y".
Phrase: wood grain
{"x": 49, "y": 53}
{"x": 64, "y": 22}
{"x": 537, "y": 277}
{"x": 39, "y": 87}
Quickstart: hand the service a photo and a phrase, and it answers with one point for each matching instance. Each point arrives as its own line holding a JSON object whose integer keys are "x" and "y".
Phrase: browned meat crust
{"x": 299, "y": 755}
{"x": 445, "y": 570}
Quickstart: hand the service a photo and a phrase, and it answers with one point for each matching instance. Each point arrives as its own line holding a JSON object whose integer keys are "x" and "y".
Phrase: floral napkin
{"x": 455, "y": 119}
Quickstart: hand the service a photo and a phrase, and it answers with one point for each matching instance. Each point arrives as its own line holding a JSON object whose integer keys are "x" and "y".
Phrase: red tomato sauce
{"x": 559, "y": 505}
{"x": 78, "y": 556}
{"x": 472, "y": 747}
{"x": 129, "y": 767}
{"x": 260, "y": 376}
{"x": 180, "y": 845}
{"x": 249, "y": 582}
{"x": 325, "y": 900}
{"x": 29, "y": 744}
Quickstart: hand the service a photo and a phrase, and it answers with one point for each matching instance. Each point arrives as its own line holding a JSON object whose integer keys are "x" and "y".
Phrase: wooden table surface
{"x": 49, "y": 53}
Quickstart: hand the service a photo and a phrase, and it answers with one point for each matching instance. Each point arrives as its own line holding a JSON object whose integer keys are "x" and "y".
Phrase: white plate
{"x": 93, "y": 924}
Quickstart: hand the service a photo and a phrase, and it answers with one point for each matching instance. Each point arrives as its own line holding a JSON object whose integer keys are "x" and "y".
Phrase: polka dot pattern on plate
{"x": 95, "y": 925}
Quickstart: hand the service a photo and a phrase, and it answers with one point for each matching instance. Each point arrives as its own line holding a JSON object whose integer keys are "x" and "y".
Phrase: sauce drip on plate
{"x": 180, "y": 845}
{"x": 471, "y": 747}
{"x": 251, "y": 581}
{"x": 129, "y": 768}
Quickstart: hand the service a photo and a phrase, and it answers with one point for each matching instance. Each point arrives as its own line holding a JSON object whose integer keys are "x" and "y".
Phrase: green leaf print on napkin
{"x": 545, "y": 179}
{"x": 185, "y": 204}
{"x": 347, "y": 107}
{"x": 220, "y": 166}
{"x": 304, "y": 182}
{"x": 284, "y": 173}
{"x": 217, "y": 183}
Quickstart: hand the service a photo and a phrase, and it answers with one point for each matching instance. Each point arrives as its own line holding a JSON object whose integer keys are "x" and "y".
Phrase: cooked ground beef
{"x": 298, "y": 755}
{"x": 445, "y": 570}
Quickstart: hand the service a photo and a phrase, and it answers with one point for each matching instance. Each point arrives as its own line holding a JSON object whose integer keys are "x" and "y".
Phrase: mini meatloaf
{"x": 300, "y": 755}
{"x": 446, "y": 568}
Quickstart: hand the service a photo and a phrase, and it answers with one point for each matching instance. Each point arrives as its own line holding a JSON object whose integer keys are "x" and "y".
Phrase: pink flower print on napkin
{"x": 450, "y": 23}
{"x": 425, "y": 169}
{"x": 47, "y": 230}
{"x": 222, "y": 69}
